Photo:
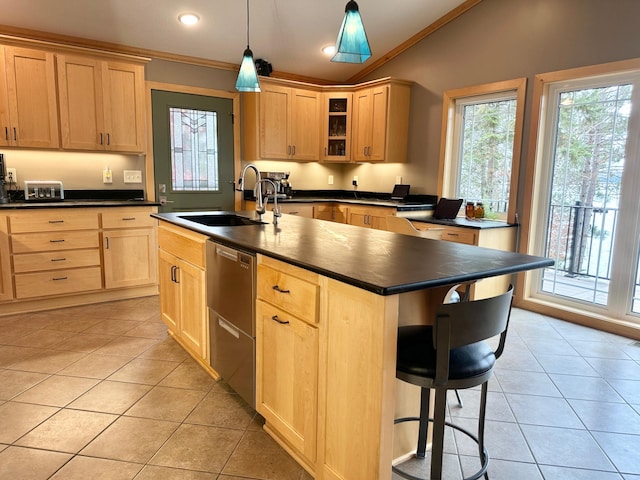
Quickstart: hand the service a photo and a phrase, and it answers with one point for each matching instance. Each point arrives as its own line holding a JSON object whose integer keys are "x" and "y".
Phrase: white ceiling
{"x": 287, "y": 33}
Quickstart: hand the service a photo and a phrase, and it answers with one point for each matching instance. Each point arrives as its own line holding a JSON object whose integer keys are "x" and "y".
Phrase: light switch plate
{"x": 132, "y": 176}
{"x": 107, "y": 175}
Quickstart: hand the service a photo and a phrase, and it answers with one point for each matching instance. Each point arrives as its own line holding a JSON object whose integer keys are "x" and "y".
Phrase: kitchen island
{"x": 330, "y": 300}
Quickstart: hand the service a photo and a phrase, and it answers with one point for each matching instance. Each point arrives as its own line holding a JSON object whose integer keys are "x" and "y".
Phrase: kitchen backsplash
{"x": 76, "y": 170}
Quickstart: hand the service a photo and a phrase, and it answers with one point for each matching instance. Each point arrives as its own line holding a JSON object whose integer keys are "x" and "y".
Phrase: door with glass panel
{"x": 590, "y": 196}
{"x": 192, "y": 151}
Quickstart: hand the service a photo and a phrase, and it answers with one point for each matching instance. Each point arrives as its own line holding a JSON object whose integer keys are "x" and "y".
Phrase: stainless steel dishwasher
{"x": 231, "y": 279}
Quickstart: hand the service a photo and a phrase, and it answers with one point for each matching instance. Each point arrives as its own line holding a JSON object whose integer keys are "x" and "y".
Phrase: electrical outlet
{"x": 398, "y": 179}
{"x": 354, "y": 183}
{"x": 107, "y": 175}
{"x": 132, "y": 176}
{"x": 330, "y": 181}
{"x": 355, "y": 179}
{"x": 12, "y": 176}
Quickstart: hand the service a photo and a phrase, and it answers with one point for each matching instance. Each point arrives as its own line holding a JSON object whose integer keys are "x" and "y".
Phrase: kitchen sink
{"x": 221, "y": 220}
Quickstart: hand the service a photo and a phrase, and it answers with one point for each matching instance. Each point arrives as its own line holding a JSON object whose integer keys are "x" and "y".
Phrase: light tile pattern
{"x": 102, "y": 392}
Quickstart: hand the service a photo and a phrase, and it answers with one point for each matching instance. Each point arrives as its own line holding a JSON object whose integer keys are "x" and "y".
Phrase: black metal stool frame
{"x": 457, "y": 336}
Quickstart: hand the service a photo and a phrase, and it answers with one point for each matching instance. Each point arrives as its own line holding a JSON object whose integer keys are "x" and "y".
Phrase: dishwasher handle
{"x": 228, "y": 327}
{"x": 229, "y": 255}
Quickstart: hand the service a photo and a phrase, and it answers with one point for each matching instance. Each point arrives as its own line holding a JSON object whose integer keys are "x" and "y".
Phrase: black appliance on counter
{"x": 3, "y": 174}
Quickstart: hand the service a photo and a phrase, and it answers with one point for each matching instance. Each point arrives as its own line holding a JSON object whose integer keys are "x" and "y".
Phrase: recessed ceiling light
{"x": 188, "y": 18}
{"x": 329, "y": 50}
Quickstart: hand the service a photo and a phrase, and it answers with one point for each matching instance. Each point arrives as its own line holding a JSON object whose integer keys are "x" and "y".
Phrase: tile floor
{"x": 101, "y": 392}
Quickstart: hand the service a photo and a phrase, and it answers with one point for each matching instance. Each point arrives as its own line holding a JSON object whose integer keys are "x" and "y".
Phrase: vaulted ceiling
{"x": 289, "y": 34}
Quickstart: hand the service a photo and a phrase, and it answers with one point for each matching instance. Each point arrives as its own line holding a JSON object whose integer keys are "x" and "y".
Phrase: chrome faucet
{"x": 260, "y": 208}
{"x": 276, "y": 209}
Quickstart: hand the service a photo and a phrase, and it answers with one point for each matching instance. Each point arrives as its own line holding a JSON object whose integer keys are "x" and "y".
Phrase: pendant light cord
{"x": 247, "y": 23}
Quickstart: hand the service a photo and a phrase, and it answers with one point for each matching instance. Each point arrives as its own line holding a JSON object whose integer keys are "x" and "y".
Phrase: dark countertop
{"x": 411, "y": 203}
{"x": 463, "y": 222}
{"x": 382, "y": 262}
{"x": 76, "y": 204}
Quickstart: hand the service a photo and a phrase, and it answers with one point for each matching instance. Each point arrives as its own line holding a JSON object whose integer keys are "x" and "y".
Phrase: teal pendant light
{"x": 352, "y": 45}
{"x": 247, "y": 76}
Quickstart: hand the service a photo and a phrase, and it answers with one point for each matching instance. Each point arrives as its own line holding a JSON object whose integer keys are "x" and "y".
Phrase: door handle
{"x": 164, "y": 201}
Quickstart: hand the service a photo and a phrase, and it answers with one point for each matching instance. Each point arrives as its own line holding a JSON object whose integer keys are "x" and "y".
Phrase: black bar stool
{"x": 451, "y": 355}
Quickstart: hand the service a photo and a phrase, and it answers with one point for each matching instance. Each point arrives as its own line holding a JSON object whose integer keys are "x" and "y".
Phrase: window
{"x": 194, "y": 150}
{"x": 481, "y": 151}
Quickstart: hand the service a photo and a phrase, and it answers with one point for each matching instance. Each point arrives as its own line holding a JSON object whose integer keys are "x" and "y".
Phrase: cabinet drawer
{"x": 289, "y": 293}
{"x": 35, "y": 262}
{"x": 459, "y": 236}
{"x": 53, "y": 221}
{"x": 59, "y": 282}
{"x": 128, "y": 218}
{"x": 46, "y": 242}
{"x": 183, "y": 244}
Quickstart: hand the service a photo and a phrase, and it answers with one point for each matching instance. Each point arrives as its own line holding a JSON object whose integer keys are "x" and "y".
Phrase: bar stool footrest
{"x": 475, "y": 476}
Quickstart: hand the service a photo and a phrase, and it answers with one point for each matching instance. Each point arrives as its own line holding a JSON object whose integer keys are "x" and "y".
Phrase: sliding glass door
{"x": 590, "y": 196}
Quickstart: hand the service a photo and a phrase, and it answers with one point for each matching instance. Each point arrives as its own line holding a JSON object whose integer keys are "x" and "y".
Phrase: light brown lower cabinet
{"x": 6, "y": 284}
{"x": 325, "y": 371}
{"x": 130, "y": 245}
{"x": 334, "y": 212}
{"x": 183, "y": 300}
{"x": 369, "y": 216}
{"x": 54, "y": 257}
{"x": 287, "y": 376}
{"x": 499, "y": 238}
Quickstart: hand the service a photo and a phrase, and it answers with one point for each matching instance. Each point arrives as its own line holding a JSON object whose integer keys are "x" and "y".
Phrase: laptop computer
{"x": 447, "y": 208}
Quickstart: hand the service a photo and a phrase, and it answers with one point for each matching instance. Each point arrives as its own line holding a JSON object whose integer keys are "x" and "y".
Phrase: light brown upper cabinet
{"x": 381, "y": 123}
{"x": 101, "y": 104}
{"x": 28, "y": 112}
{"x": 333, "y": 123}
{"x": 287, "y": 120}
{"x": 336, "y": 124}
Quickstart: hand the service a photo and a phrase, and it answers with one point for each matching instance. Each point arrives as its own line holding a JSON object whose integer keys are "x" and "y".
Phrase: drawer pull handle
{"x": 278, "y": 289}
{"x": 59, "y": 278}
{"x": 57, "y": 241}
{"x": 58, "y": 259}
{"x": 56, "y": 221}
{"x": 453, "y": 234}
{"x": 281, "y": 322}
{"x": 128, "y": 218}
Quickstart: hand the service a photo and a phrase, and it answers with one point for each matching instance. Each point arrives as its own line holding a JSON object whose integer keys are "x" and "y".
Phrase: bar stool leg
{"x": 423, "y": 429}
{"x": 437, "y": 443}
{"x": 481, "y": 418}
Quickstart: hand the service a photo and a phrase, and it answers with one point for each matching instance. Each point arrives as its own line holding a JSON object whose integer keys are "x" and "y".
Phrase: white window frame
{"x": 546, "y": 87}
{"x": 453, "y": 101}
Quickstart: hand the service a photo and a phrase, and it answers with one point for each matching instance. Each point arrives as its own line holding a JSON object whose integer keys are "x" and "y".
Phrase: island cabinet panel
{"x": 183, "y": 300}
{"x": 325, "y": 366}
{"x": 6, "y": 281}
{"x": 287, "y": 349}
{"x": 287, "y": 377}
{"x": 357, "y": 373}
{"x": 30, "y": 113}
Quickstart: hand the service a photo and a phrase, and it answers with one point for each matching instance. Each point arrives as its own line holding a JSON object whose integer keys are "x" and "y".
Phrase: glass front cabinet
{"x": 337, "y": 127}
